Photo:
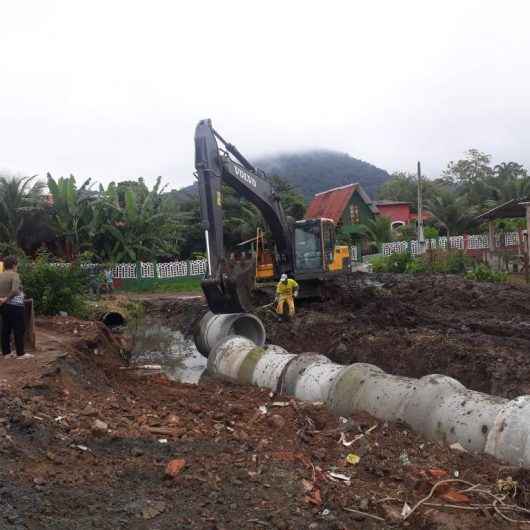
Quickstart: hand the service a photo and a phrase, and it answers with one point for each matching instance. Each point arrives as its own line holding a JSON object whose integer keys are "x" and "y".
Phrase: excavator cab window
{"x": 308, "y": 246}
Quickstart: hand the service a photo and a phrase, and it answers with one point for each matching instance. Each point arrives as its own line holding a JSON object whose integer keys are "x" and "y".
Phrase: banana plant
{"x": 70, "y": 212}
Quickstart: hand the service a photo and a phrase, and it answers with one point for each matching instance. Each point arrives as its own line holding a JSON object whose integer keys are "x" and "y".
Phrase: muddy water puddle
{"x": 170, "y": 352}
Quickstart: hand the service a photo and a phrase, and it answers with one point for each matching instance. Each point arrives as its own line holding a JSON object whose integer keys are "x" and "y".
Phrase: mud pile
{"x": 478, "y": 333}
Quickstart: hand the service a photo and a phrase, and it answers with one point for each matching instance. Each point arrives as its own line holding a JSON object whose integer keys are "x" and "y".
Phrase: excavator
{"x": 304, "y": 249}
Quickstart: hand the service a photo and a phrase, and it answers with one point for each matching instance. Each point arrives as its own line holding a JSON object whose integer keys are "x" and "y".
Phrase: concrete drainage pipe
{"x": 436, "y": 406}
{"x": 213, "y": 329}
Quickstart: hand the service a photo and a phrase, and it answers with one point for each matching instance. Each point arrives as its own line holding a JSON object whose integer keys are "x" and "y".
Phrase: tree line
{"x": 466, "y": 188}
{"x": 128, "y": 221}
{"x": 121, "y": 222}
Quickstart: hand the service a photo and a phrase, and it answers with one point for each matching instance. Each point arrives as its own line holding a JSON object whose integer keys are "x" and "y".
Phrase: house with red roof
{"x": 347, "y": 205}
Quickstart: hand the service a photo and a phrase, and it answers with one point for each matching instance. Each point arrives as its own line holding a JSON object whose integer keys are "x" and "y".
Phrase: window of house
{"x": 354, "y": 214}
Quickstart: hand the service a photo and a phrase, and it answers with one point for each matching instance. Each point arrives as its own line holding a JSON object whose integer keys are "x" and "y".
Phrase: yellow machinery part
{"x": 340, "y": 256}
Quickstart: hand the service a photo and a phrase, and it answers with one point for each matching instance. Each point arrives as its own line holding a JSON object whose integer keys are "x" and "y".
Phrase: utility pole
{"x": 420, "y": 235}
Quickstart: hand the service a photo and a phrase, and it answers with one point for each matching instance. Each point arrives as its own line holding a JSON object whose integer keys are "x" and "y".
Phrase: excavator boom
{"x": 228, "y": 286}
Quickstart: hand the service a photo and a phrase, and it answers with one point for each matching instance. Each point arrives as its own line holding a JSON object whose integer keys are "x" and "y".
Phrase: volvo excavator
{"x": 304, "y": 249}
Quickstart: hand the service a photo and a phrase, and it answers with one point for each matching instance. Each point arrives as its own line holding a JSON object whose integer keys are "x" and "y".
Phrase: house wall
{"x": 395, "y": 212}
{"x": 365, "y": 214}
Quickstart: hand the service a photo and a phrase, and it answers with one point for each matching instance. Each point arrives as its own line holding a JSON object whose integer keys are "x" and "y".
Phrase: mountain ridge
{"x": 314, "y": 170}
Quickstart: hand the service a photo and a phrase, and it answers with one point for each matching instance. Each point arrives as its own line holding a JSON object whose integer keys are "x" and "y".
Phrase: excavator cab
{"x": 314, "y": 246}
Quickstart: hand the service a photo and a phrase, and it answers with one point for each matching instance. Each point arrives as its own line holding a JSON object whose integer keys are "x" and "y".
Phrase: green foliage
{"x": 440, "y": 261}
{"x": 431, "y": 232}
{"x": 448, "y": 262}
{"x": 404, "y": 187}
{"x": 292, "y": 202}
{"x": 406, "y": 232}
{"x": 55, "y": 288}
{"x": 483, "y": 273}
{"x": 156, "y": 285}
{"x": 16, "y": 195}
{"x": 398, "y": 262}
{"x": 451, "y": 211}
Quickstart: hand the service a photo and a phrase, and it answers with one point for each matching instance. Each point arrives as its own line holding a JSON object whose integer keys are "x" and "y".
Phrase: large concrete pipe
{"x": 436, "y": 406}
{"x": 213, "y": 329}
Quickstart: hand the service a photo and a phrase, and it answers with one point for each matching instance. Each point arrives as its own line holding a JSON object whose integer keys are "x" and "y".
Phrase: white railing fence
{"x": 470, "y": 242}
{"x": 137, "y": 271}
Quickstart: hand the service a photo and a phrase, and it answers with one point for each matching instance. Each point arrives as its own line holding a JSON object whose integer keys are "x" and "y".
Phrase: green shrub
{"x": 483, "y": 273}
{"x": 398, "y": 262}
{"x": 431, "y": 232}
{"x": 55, "y": 288}
{"x": 416, "y": 266}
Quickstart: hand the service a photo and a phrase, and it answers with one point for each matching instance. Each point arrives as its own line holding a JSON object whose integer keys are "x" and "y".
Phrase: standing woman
{"x": 12, "y": 300}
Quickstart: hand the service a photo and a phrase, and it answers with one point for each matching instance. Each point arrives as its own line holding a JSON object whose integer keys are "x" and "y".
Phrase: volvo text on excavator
{"x": 303, "y": 249}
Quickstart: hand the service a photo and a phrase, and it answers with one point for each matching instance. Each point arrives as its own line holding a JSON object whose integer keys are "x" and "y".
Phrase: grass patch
{"x": 156, "y": 285}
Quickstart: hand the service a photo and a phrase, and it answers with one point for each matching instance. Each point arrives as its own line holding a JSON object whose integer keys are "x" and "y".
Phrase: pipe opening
{"x": 250, "y": 328}
{"x": 113, "y": 319}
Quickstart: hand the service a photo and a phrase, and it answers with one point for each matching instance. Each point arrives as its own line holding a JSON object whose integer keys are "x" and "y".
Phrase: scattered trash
{"x": 59, "y": 418}
{"x": 80, "y": 447}
{"x": 263, "y": 409}
{"x": 456, "y": 473}
{"x": 404, "y": 459}
{"x": 457, "y": 447}
{"x": 325, "y": 512}
{"x": 344, "y": 441}
{"x": 174, "y": 467}
{"x": 280, "y": 404}
{"x": 142, "y": 367}
{"x": 162, "y": 441}
{"x": 353, "y": 459}
{"x": 339, "y": 476}
{"x": 405, "y": 511}
{"x": 507, "y": 485}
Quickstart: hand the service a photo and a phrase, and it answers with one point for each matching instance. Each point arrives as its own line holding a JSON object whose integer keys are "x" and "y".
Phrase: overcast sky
{"x": 113, "y": 89}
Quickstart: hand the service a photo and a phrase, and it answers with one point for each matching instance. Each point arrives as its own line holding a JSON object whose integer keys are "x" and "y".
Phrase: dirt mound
{"x": 478, "y": 333}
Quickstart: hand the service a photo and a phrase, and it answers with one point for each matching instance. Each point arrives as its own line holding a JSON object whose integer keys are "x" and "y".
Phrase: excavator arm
{"x": 227, "y": 288}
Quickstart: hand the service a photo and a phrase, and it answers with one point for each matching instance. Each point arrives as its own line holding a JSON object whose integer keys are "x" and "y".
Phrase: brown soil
{"x": 243, "y": 469}
{"x": 478, "y": 333}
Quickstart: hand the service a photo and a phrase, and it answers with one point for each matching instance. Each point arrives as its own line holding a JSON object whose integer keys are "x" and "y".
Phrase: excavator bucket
{"x": 232, "y": 291}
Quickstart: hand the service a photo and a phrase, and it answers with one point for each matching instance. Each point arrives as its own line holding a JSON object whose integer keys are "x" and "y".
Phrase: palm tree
{"x": 451, "y": 211}
{"x": 379, "y": 230}
{"x": 511, "y": 181}
{"x": 16, "y": 195}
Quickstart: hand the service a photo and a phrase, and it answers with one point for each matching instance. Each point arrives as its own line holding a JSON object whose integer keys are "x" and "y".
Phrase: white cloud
{"x": 113, "y": 89}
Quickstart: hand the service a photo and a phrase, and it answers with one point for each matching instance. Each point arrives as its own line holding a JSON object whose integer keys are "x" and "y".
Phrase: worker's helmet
{"x": 283, "y": 278}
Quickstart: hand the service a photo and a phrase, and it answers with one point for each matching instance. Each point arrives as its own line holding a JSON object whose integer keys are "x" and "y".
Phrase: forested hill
{"x": 313, "y": 171}
{"x": 319, "y": 170}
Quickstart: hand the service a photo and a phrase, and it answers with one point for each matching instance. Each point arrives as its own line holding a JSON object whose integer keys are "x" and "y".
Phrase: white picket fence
{"x": 473, "y": 242}
{"x": 135, "y": 271}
